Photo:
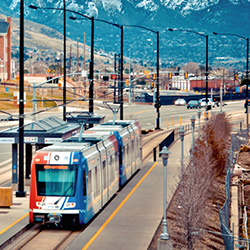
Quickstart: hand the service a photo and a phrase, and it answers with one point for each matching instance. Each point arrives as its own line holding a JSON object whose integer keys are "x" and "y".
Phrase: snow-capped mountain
{"x": 205, "y": 16}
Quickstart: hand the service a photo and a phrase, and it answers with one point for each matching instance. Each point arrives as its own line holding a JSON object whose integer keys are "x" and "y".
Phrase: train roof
{"x": 105, "y": 128}
{"x": 65, "y": 147}
{"x": 87, "y": 138}
{"x": 123, "y": 123}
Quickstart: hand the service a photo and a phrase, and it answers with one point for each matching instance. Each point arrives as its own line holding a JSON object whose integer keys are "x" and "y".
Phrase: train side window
{"x": 96, "y": 183}
{"x": 133, "y": 148}
{"x": 89, "y": 183}
{"x": 104, "y": 175}
{"x": 128, "y": 155}
{"x": 111, "y": 167}
{"x": 124, "y": 156}
{"x": 116, "y": 162}
{"x": 84, "y": 184}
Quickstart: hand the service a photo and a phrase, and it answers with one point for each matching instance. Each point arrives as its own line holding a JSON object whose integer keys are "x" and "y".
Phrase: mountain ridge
{"x": 227, "y": 16}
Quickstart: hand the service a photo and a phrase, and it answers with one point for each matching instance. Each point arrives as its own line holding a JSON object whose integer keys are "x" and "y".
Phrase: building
{"x": 5, "y": 49}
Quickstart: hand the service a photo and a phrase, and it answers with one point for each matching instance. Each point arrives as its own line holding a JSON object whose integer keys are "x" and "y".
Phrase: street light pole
{"x": 247, "y": 69}
{"x": 247, "y": 85}
{"x": 157, "y": 104}
{"x": 206, "y": 72}
{"x": 91, "y": 72}
{"x": 157, "y": 87}
{"x": 206, "y": 36}
{"x": 64, "y": 49}
{"x": 91, "y": 64}
{"x": 64, "y": 60}
{"x": 121, "y": 70}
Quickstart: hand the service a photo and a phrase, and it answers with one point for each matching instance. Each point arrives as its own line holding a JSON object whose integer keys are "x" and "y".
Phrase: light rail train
{"x": 72, "y": 180}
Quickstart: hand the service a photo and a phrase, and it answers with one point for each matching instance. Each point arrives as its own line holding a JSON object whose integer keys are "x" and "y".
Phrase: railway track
{"x": 41, "y": 237}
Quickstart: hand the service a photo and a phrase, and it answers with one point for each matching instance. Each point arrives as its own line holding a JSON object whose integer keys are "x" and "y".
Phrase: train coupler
{"x": 54, "y": 218}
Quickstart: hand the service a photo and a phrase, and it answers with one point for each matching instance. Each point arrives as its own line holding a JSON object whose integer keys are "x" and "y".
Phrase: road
{"x": 142, "y": 112}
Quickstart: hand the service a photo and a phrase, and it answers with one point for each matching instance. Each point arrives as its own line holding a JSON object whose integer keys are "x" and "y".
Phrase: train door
{"x": 104, "y": 181}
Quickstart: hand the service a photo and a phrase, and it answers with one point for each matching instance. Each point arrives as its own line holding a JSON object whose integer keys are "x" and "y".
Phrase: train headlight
{"x": 70, "y": 205}
{"x": 40, "y": 204}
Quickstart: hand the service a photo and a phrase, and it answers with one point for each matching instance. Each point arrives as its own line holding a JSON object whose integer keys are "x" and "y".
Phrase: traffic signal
{"x": 49, "y": 79}
{"x": 56, "y": 81}
{"x": 154, "y": 76}
{"x": 236, "y": 77}
{"x": 105, "y": 78}
{"x": 127, "y": 81}
{"x": 170, "y": 75}
{"x": 186, "y": 75}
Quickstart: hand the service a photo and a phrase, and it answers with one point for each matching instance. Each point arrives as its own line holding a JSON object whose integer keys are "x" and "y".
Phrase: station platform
{"x": 130, "y": 220}
{"x": 14, "y": 219}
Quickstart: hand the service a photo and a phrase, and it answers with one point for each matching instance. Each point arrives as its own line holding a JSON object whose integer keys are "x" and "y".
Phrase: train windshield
{"x": 56, "y": 180}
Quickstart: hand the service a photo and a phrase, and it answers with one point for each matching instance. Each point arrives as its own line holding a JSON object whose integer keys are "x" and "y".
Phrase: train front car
{"x": 58, "y": 185}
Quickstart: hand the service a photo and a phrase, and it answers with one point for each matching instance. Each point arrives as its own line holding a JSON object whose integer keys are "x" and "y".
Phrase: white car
{"x": 180, "y": 102}
{"x": 203, "y": 102}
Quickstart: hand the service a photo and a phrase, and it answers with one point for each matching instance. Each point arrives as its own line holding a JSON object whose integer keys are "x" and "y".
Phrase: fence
{"x": 224, "y": 214}
{"x": 237, "y": 139}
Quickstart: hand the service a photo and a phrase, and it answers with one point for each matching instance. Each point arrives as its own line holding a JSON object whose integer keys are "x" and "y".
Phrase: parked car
{"x": 193, "y": 104}
{"x": 140, "y": 96}
{"x": 203, "y": 103}
{"x": 180, "y": 102}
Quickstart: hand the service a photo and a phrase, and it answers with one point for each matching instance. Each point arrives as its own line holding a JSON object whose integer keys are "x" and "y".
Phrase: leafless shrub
{"x": 216, "y": 136}
{"x": 192, "y": 197}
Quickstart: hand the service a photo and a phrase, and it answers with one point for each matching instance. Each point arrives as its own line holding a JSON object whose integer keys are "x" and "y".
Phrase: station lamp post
{"x": 206, "y": 36}
{"x": 247, "y": 68}
{"x": 199, "y": 122}
{"x": 181, "y": 134}
{"x": 164, "y": 155}
{"x": 193, "y": 124}
{"x": 157, "y": 104}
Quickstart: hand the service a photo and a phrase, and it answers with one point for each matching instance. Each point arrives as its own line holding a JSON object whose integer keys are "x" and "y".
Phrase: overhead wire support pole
{"x": 21, "y": 192}
{"x": 64, "y": 46}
